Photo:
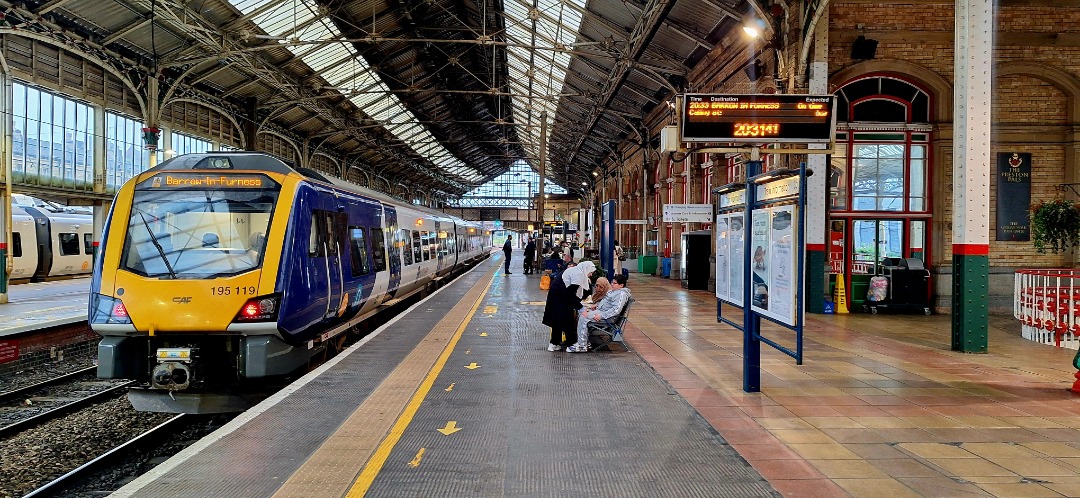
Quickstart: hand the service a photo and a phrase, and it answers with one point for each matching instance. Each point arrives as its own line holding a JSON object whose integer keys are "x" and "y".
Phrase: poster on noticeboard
{"x": 729, "y": 257}
{"x": 774, "y": 263}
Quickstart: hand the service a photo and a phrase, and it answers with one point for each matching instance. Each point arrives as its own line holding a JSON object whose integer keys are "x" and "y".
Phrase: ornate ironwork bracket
{"x": 1062, "y": 187}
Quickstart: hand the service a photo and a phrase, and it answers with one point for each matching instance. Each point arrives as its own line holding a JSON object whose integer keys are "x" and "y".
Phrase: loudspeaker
{"x": 863, "y": 48}
{"x": 755, "y": 71}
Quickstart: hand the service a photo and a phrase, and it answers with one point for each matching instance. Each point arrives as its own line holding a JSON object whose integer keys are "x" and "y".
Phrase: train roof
{"x": 258, "y": 161}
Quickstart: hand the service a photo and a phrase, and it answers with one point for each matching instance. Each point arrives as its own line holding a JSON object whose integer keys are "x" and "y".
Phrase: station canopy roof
{"x": 441, "y": 95}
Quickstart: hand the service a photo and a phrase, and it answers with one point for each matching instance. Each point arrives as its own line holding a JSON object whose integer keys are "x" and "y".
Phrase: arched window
{"x": 878, "y": 178}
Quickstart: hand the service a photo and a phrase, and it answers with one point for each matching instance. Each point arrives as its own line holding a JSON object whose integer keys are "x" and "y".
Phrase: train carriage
{"x": 49, "y": 241}
{"x": 221, "y": 269}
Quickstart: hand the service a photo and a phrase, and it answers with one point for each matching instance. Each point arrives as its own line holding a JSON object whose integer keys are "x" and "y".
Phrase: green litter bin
{"x": 647, "y": 264}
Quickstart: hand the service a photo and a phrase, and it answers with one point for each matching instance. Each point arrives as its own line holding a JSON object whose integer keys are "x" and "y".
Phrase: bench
{"x": 608, "y": 330}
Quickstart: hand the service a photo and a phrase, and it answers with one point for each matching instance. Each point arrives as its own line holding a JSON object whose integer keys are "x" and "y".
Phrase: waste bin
{"x": 646, "y": 264}
{"x": 665, "y": 267}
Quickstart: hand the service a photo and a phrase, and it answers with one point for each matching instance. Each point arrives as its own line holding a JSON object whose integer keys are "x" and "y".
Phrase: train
{"x": 222, "y": 270}
{"x": 49, "y": 241}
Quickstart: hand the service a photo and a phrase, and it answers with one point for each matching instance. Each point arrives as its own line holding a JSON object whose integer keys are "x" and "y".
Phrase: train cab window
{"x": 88, "y": 243}
{"x": 69, "y": 244}
{"x": 165, "y": 232}
{"x": 16, "y": 245}
{"x": 378, "y": 249}
{"x": 406, "y": 252}
{"x": 416, "y": 240}
{"x": 358, "y": 251}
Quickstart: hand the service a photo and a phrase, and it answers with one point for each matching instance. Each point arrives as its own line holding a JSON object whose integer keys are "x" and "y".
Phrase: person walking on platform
{"x": 610, "y": 306}
{"x": 530, "y": 256}
{"x": 564, "y": 298}
{"x": 508, "y": 247}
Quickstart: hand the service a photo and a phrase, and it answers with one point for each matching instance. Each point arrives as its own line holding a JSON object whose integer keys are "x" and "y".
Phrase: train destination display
{"x": 757, "y": 118}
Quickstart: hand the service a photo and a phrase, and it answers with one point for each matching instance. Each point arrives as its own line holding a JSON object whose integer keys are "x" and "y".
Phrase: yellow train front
{"x": 219, "y": 271}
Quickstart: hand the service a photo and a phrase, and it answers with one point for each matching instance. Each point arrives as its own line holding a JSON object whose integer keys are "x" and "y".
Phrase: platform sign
{"x": 687, "y": 213}
{"x": 9, "y": 351}
{"x": 757, "y": 118}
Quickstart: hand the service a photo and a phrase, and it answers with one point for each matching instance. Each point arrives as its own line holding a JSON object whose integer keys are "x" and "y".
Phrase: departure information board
{"x": 757, "y": 118}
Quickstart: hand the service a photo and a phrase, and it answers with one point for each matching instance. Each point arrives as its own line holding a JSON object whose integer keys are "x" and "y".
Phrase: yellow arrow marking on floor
{"x": 416, "y": 460}
{"x": 483, "y": 334}
{"x": 491, "y": 308}
{"x": 451, "y": 388}
{"x": 472, "y": 366}
{"x": 451, "y": 427}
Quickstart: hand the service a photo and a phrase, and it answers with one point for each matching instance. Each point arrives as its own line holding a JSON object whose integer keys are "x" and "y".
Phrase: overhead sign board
{"x": 757, "y": 118}
{"x": 688, "y": 213}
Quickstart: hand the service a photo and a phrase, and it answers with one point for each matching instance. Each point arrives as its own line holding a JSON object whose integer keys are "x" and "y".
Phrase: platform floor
{"x": 41, "y": 305}
{"x": 460, "y": 398}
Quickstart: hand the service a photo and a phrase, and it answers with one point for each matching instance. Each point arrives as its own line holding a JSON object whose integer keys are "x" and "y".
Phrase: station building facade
{"x": 890, "y": 178}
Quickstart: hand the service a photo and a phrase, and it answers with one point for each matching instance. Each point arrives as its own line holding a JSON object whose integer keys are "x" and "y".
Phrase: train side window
{"x": 416, "y": 238}
{"x": 313, "y": 236}
{"x": 432, "y": 245}
{"x": 406, "y": 252}
{"x": 16, "y": 245}
{"x": 69, "y": 244}
{"x": 378, "y": 249}
{"x": 359, "y": 251}
{"x": 425, "y": 237}
{"x": 88, "y": 243}
{"x": 330, "y": 238}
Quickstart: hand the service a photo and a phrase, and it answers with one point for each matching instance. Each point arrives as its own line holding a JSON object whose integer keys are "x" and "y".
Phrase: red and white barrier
{"x": 1047, "y": 303}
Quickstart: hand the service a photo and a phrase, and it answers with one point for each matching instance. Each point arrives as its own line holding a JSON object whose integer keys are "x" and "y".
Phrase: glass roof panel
{"x": 296, "y": 19}
{"x": 557, "y": 20}
{"x": 518, "y": 186}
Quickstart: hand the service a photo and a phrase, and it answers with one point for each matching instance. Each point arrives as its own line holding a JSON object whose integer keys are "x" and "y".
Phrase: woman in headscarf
{"x": 600, "y": 287}
{"x": 564, "y": 299}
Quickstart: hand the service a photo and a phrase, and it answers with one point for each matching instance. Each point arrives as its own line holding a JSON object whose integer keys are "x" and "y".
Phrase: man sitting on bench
{"x": 610, "y": 306}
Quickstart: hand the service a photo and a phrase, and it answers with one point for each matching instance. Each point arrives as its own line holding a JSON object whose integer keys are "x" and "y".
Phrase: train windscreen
{"x": 194, "y": 229}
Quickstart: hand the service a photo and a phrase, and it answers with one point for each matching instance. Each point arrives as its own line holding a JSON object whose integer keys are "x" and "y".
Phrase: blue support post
{"x": 751, "y": 320}
{"x": 607, "y": 238}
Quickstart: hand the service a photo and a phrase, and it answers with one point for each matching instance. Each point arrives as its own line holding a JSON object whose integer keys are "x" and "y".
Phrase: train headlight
{"x": 105, "y": 309}
{"x": 259, "y": 309}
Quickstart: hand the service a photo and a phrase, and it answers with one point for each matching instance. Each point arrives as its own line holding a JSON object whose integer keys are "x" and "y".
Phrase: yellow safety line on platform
{"x": 350, "y": 458}
{"x": 374, "y": 465}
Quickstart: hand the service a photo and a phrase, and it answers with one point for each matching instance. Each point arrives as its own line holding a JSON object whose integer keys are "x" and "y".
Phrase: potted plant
{"x": 1055, "y": 225}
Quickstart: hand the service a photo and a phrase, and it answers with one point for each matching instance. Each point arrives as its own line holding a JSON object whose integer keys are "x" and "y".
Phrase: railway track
{"x": 63, "y": 410}
{"x": 21, "y": 392}
{"x": 63, "y": 485}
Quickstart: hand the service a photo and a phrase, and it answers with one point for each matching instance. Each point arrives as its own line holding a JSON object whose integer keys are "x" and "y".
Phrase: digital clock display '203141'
{"x": 757, "y": 129}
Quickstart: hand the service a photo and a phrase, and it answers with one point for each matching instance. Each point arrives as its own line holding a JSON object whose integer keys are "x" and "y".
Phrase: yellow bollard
{"x": 840, "y": 295}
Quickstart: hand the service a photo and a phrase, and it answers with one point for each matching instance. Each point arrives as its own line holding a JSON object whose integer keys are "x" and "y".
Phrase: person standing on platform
{"x": 508, "y": 247}
{"x": 530, "y": 256}
{"x": 618, "y": 258}
{"x": 563, "y": 300}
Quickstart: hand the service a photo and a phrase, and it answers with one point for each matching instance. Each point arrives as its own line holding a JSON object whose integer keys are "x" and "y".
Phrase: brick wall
{"x": 75, "y": 344}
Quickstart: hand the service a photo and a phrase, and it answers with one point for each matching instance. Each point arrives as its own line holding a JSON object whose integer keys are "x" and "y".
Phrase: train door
{"x": 336, "y": 240}
{"x": 44, "y": 247}
{"x": 396, "y": 245}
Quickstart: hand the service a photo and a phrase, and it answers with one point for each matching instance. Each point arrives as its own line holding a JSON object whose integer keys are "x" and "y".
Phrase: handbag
{"x": 545, "y": 281}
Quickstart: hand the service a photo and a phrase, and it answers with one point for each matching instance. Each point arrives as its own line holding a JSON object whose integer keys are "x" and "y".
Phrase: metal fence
{"x": 1047, "y": 303}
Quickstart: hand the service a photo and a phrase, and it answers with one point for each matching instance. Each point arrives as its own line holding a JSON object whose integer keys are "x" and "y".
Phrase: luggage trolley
{"x": 908, "y": 286}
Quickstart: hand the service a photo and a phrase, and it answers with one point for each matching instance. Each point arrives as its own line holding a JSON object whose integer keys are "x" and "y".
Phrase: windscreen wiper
{"x": 153, "y": 239}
